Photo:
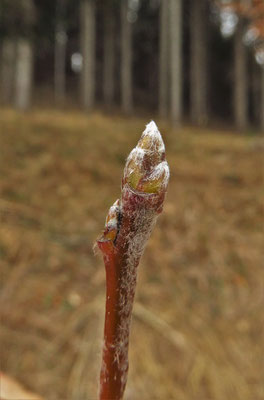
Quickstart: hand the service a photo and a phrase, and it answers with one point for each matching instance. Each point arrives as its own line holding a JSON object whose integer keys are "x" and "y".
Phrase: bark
{"x": 8, "y": 69}
{"x": 24, "y": 74}
{"x": 87, "y": 21}
{"x": 176, "y": 60}
{"x": 109, "y": 55}
{"x": 241, "y": 79}
{"x": 60, "y": 54}
{"x": 126, "y": 59}
{"x": 198, "y": 88}
{"x": 164, "y": 59}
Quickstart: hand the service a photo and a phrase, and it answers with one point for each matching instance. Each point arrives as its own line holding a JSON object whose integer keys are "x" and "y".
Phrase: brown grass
{"x": 197, "y": 331}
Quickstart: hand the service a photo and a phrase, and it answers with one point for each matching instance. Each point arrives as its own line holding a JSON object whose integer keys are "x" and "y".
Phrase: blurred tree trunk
{"x": 87, "y": 22}
{"x": 126, "y": 59}
{"x": 60, "y": 53}
{"x": 109, "y": 54}
{"x": 255, "y": 87}
{"x": 198, "y": 54}
{"x": 25, "y": 10}
{"x": 176, "y": 60}
{"x": 241, "y": 78}
{"x": 262, "y": 99}
{"x": 8, "y": 59}
{"x": 24, "y": 74}
{"x": 164, "y": 58}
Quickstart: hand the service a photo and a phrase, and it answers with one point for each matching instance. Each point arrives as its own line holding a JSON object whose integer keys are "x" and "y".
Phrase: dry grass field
{"x": 198, "y": 325}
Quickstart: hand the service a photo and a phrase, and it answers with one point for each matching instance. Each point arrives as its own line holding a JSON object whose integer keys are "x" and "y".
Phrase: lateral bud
{"x": 112, "y": 221}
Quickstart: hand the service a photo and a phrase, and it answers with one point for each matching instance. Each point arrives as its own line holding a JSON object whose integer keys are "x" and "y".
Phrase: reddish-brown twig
{"x": 128, "y": 226}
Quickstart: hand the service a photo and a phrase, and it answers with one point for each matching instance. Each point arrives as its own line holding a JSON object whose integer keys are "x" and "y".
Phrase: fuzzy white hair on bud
{"x": 153, "y": 132}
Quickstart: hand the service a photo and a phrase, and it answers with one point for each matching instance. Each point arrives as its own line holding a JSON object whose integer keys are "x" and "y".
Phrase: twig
{"x": 128, "y": 226}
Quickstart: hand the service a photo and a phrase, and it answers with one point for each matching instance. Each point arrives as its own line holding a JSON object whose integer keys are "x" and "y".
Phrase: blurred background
{"x": 78, "y": 82}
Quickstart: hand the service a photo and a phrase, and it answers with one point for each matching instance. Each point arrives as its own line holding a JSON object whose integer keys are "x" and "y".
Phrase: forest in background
{"x": 195, "y": 61}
